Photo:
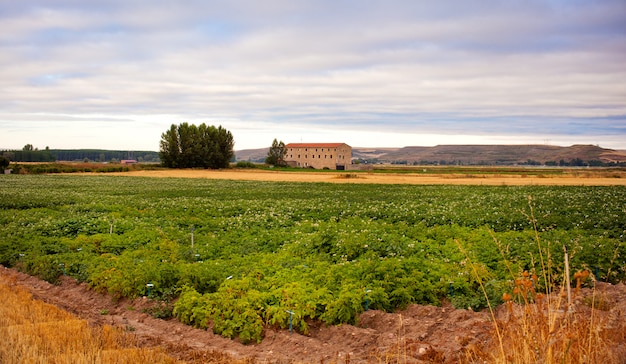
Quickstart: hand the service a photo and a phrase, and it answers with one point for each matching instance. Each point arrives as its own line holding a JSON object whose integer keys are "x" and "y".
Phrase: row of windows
{"x": 319, "y": 156}
{"x": 307, "y": 149}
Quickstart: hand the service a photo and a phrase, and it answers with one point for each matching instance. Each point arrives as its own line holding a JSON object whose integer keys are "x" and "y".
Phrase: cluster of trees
{"x": 27, "y": 154}
{"x": 191, "y": 146}
{"x": 4, "y": 162}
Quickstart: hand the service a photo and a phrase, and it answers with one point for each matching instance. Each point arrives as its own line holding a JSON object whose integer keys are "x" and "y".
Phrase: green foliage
{"x": 323, "y": 251}
{"x": 276, "y": 154}
{"x": 163, "y": 310}
{"x": 191, "y": 146}
{"x": 27, "y": 154}
{"x": 100, "y": 155}
{"x": 46, "y": 267}
{"x": 4, "y": 162}
{"x": 245, "y": 164}
{"x": 345, "y": 306}
{"x": 48, "y": 168}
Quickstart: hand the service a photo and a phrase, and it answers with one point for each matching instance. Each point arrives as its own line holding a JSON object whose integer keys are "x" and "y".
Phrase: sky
{"x": 116, "y": 74}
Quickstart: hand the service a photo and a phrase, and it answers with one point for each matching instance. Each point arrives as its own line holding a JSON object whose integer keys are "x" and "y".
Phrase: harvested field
{"x": 581, "y": 179}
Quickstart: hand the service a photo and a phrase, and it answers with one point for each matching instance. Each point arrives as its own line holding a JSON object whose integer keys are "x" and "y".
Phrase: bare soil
{"x": 580, "y": 179}
{"x": 418, "y": 334}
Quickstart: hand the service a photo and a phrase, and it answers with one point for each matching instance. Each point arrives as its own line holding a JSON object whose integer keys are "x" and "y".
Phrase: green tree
{"x": 191, "y": 146}
{"x": 4, "y": 162}
{"x": 276, "y": 154}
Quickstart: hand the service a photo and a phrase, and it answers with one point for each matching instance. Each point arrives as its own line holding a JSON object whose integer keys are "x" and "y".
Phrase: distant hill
{"x": 497, "y": 154}
{"x": 252, "y": 155}
{"x": 476, "y": 155}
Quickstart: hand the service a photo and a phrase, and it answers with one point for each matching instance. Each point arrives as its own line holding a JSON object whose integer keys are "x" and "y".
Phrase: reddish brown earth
{"x": 418, "y": 334}
{"x": 425, "y": 332}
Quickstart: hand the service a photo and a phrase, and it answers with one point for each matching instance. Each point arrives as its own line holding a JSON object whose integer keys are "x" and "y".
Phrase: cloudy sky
{"x": 116, "y": 74}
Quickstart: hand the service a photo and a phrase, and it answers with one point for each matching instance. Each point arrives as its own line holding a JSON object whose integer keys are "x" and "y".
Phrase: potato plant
{"x": 324, "y": 252}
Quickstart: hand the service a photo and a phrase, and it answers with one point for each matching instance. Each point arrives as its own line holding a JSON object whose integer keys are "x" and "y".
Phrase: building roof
{"x": 314, "y": 145}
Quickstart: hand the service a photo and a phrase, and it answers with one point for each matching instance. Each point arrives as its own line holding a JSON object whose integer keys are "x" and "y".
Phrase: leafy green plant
{"x": 325, "y": 253}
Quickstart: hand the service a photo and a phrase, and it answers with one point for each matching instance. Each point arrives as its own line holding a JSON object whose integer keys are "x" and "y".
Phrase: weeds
{"x": 552, "y": 326}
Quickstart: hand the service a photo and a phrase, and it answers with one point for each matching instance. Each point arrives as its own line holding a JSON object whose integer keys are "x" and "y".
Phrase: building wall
{"x": 319, "y": 155}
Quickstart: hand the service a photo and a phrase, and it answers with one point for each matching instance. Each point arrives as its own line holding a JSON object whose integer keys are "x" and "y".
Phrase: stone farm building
{"x": 319, "y": 155}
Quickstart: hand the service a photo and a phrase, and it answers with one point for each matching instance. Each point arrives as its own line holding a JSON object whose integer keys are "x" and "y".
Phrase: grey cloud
{"x": 456, "y": 65}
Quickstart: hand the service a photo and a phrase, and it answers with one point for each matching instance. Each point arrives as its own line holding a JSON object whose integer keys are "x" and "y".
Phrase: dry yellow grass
{"x": 588, "y": 179}
{"x": 32, "y": 331}
{"x": 553, "y": 326}
{"x": 540, "y": 330}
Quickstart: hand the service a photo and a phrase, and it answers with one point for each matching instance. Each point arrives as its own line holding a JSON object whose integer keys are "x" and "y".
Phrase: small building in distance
{"x": 319, "y": 155}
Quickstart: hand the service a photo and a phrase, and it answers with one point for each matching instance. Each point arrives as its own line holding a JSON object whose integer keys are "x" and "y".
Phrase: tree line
{"x": 99, "y": 155}
{"x": 182, "y": 146}
{"x": 27, "y": 154}
{"x": 31, "y": 154}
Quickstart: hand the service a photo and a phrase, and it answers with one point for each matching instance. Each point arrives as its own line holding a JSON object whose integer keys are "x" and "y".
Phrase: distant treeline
{"x": 83, "y": 155}
{"x": 28, "y": 155}
{"x": 97, "y": 155}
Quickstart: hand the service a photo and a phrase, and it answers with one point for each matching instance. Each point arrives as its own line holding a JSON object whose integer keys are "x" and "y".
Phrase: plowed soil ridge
{"x": 380, "y": 336}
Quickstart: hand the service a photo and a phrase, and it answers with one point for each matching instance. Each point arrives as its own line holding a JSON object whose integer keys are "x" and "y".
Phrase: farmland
{"x": 275, "y": 254}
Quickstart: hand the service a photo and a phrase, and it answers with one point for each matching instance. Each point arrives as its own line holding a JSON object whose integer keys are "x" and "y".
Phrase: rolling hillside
{"x": 474, "y": 154}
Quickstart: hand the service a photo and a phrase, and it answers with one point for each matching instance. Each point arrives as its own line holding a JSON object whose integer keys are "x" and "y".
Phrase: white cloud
{"x": 362, "y": 68}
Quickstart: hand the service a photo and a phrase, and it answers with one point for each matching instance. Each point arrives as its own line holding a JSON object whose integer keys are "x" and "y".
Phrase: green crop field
{"x": 265, "y": 251}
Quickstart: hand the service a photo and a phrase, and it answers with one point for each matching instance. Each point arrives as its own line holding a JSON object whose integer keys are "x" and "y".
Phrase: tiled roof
{"x": 314, "y": 145}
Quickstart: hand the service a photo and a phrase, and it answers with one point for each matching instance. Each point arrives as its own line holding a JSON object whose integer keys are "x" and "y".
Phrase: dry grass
{"x": 36, "y": 332}
{"x": 542, "y": 330}
{"x": 553, "y": 326}
{"x": 381, "y": 178}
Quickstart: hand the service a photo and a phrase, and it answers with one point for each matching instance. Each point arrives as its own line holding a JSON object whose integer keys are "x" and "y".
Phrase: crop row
{"x": 241, "y": 255}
